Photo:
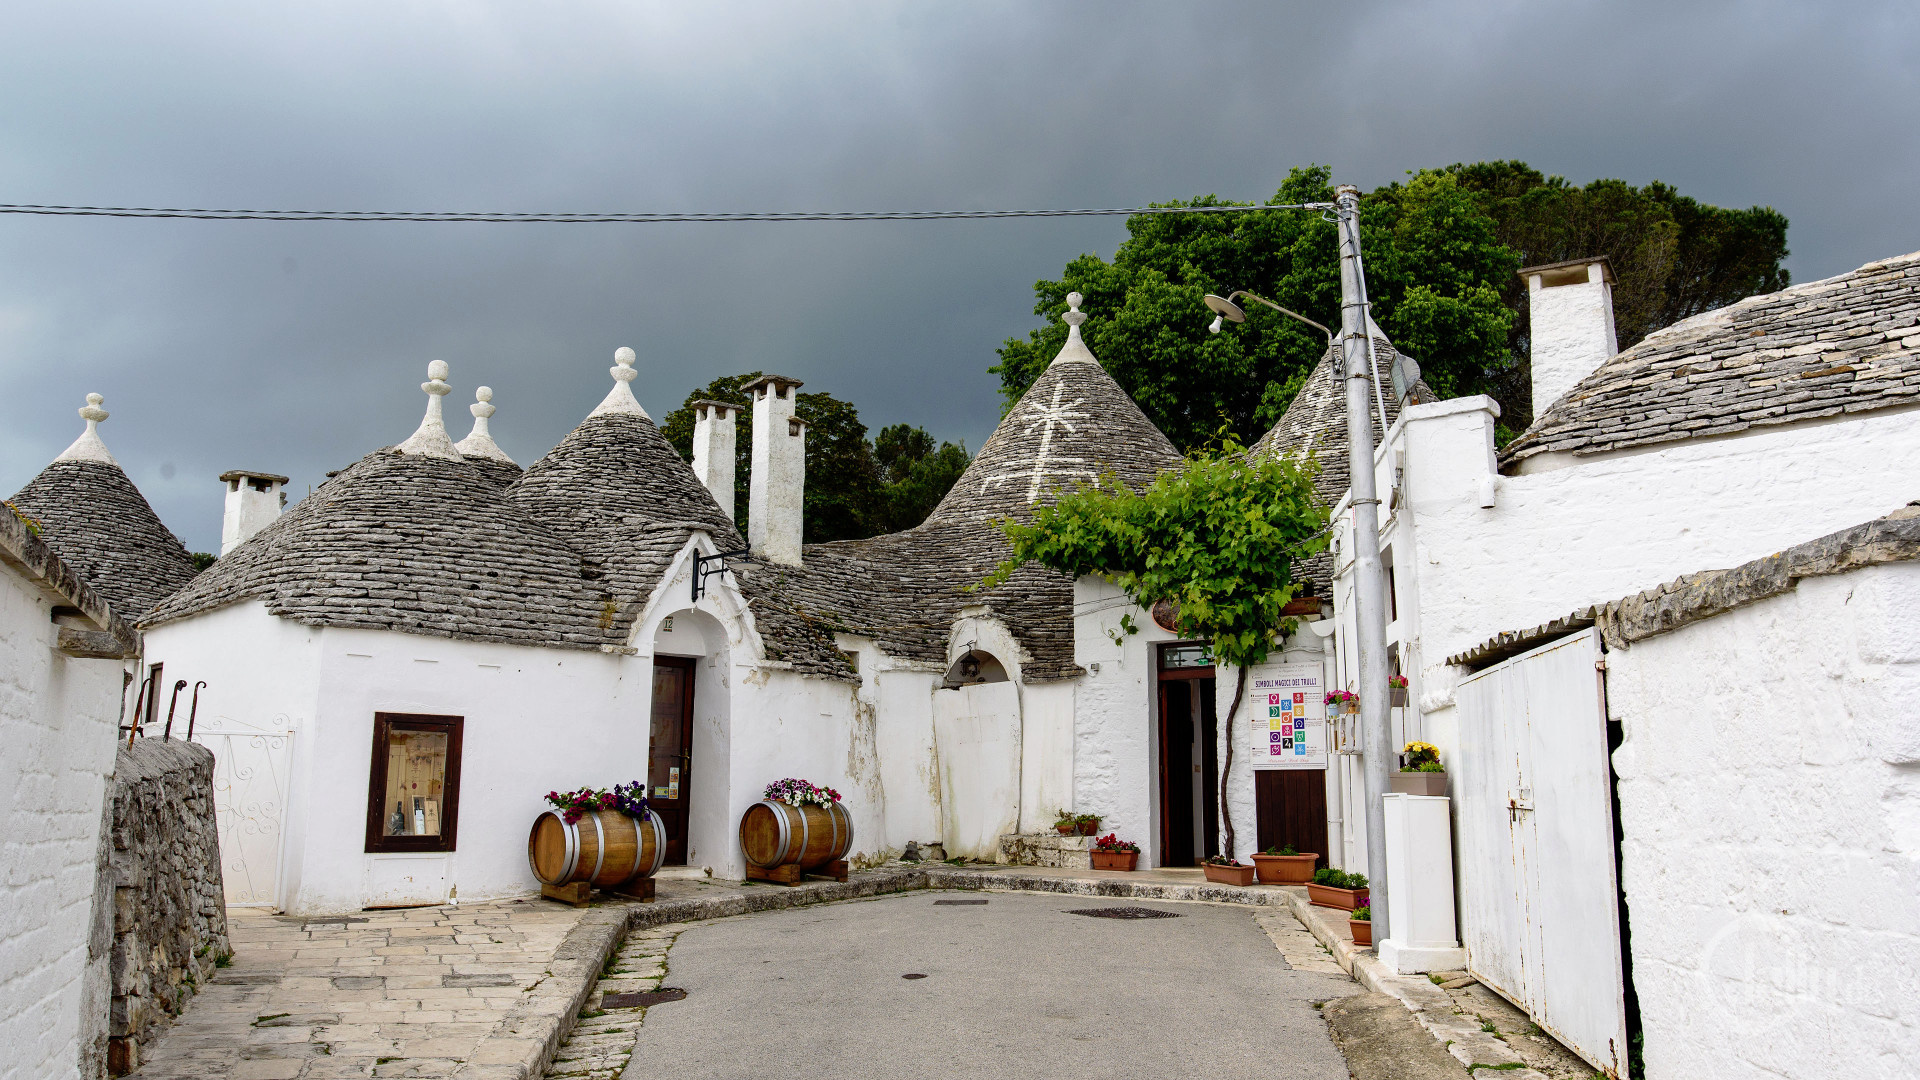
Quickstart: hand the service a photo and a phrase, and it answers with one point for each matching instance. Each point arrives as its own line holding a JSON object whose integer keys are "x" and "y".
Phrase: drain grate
{"x": 962, "y": 902}
{"x": 641, "y": 1001}
{"x": 913, "y": 975}
{"x": 1124, "y": 913}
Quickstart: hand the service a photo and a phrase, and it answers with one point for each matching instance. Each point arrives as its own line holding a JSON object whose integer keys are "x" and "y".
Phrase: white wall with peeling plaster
{"x": 1769, "y": 783}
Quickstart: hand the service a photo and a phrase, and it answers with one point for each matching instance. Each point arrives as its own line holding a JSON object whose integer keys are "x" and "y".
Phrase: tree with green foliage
{"x": 855, "y": 488}
{"x": 1441, "y": 252}
{"x": 1218, "y": 536}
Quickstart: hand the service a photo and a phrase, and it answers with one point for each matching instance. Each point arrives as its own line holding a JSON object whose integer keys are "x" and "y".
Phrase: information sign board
{"x": 1286, "y": 725}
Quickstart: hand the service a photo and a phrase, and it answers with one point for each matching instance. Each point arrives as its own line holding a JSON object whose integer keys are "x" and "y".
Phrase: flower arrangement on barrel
{"x": 796, "y": 792}
{"x": 1112, "y": 853}
{"x": 619, "y": 851}
{"x": 799, "y": 828}
{"x": 1228, "y": 870}
{"x": 630, "y": 799}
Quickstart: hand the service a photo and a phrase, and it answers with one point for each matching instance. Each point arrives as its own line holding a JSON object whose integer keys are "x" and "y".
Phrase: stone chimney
{"x": 254, "y": 500}
{"x": 1570, "y": 315}
{"x": 776, "y": 488}
{"x": 713, "y": 449}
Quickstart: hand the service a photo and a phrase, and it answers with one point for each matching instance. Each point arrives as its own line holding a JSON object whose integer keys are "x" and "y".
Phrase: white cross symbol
{"x": 1046, "y": 417}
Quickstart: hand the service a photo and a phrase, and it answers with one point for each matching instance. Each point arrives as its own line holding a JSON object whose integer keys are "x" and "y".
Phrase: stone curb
{"x": 1014, "y": 881}
{"x": 1429, "y": 1004}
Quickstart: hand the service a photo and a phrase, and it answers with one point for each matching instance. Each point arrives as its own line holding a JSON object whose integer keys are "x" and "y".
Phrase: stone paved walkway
{"x": 416, "y": 990}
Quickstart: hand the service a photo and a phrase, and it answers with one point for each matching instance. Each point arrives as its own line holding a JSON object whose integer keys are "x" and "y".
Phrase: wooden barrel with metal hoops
{"x": 781, "y": 834}
{"x": 605, "y": 849}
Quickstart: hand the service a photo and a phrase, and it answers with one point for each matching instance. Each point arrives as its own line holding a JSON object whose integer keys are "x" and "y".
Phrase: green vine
{"x": 1218, "y": 536}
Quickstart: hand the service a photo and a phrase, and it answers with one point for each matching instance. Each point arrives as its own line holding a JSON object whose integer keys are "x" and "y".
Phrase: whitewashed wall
{"x": 1770, "y": 799}
{"x": 58, "y": 721}
{"x": 1116, "y": 746}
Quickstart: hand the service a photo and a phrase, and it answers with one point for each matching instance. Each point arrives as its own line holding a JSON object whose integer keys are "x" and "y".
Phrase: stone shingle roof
{"x": 905, "y": 590}
{"x": 93, "y": 517}
{"x": 1315, "y": 427}
{"x": 27, "y": 555}
{"x": 411, "y": 543}
{"x": 1842, "y": 346}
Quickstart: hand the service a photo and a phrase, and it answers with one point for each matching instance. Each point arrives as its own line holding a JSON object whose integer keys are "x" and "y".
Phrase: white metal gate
{"x": 251, "y": 769}
{"x": 1535, "y": 818}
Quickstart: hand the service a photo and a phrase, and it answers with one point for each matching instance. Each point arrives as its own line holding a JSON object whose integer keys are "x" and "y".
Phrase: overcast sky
{"x": 296, "y": 348}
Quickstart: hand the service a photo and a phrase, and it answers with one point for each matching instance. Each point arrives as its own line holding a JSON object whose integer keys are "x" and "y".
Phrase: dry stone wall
{"x": 169, "y": 920}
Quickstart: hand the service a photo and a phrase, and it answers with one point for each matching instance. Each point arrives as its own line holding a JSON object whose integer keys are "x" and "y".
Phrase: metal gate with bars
{"x": 1540, "y": 914}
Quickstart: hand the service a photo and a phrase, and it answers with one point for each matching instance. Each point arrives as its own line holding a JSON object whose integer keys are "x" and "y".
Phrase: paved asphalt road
{"x": 1013, "y": 988}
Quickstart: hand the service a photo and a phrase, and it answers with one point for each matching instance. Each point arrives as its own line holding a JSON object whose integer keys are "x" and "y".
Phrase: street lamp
{"x": 1369, "y": 593}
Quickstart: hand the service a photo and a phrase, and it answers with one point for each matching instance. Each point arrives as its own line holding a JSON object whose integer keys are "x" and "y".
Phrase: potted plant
{"x": 1228, "y": 871}
{"x": 1088, "y": 824}
{"x": 1361, "y": 923}
{"x": 1066, "y": 824}
{"x": 1342, "y": 701}
{"x": 1420, "y": 771}
{"x": 1338, "y": 889}
{"x": 1397, "y": 691}
{"x": 1284, "y": 866}
{"x": 1112, "y": 853}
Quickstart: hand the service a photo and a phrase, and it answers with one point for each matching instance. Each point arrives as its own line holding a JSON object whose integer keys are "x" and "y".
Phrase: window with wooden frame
{"x": 413, "y": 796}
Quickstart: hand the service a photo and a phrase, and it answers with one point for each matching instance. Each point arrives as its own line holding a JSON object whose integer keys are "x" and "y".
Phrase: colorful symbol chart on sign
{"x": 1294, "y": 727}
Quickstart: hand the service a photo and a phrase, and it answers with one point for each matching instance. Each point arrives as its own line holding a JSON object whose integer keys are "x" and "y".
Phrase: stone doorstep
{"x": 1429, "y": 1004}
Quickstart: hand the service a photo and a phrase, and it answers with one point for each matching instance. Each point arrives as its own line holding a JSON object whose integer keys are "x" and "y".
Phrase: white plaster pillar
{"x": 1420, "y": 880}
{"x": 776, "y": 488}
{"x": 713, "y": 449}
{"x": 1570, "y": 319}
{"x": 254, "y": 500}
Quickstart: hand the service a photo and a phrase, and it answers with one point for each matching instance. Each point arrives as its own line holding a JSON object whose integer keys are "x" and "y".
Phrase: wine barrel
{"x": 605, "y": 847}
{"x": 777, "y": 833}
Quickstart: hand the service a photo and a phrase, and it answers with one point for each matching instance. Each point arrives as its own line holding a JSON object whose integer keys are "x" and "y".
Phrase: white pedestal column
{"x": 1420, "y": 880}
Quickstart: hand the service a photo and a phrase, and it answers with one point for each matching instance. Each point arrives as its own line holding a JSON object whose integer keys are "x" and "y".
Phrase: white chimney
{"x": 713, "y": 449}
{"x": 254, "y": 500}
{"x": 776, "y": 488}
{"x": 1570, "y": 317}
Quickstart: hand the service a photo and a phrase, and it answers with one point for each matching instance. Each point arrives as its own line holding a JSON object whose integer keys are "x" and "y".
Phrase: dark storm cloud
{"x": 298, "y": 347}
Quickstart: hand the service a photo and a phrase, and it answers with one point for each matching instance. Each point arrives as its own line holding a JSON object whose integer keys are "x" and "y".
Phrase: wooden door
{"x": 1290, "y": 807}
{"x": 1176, "y": 774}
{"x": 670, "y": 751}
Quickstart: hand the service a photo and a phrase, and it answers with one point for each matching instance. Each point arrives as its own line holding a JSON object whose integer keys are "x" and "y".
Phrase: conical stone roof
{"x": 905, "y": 590}
{"x": 1314, "y": 428}
{"x": 419, "y": 544}
{"x": 1073, "y": 426}
{"x": 94, "y": 518}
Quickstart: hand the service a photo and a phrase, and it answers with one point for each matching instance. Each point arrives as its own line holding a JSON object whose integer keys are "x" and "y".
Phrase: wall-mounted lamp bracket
{"x": 705, "y": 566}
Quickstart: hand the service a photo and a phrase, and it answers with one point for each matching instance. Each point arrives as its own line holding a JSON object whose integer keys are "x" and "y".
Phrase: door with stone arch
{"x": 670, "y": 751}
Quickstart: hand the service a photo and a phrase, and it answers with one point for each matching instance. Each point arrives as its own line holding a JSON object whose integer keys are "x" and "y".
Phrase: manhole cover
{"x": 967, "y": 901}
{"x": 913, "y": 975}
{"x": 1124, "y": 913}
{"x": 641, "y": 1001}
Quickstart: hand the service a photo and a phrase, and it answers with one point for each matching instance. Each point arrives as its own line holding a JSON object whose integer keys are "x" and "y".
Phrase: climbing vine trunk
{"x": 1226, "y": 769}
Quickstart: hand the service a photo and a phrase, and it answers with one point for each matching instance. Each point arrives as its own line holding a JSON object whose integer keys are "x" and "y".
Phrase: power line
{"x": 568, "y": 218}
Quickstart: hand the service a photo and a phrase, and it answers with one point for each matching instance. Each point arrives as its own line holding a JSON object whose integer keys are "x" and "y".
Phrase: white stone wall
{"x": 1770, "y": 799}
{"x": 1116, "y": 747}
{"x": 58, "y": 722}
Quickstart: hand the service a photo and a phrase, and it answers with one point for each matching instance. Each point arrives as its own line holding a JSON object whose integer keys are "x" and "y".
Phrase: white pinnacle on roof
{"x": 620, "y": 399}
{"x": 1075, "y": 350}
{"x": 88, "y": 446}
{"x": 431, "y": 439}
{"x": 479, "y": 443}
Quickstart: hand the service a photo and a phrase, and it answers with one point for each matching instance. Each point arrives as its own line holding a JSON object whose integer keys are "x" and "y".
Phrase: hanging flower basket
{"x": 1397, "y": 691}
{"x": 1342, "y": 701}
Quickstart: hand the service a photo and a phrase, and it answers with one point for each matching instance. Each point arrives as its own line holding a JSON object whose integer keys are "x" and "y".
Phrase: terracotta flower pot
{"x": 1229, "y": 875}
{"x": 1362, "y": 931}
{"x": 1066, "y": 830}
{"x": 1090, "y": 828}
{"x": 1344, "y": 899}
{"x": 1285, "y": 869}
{"x": 1114, "y": 860}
